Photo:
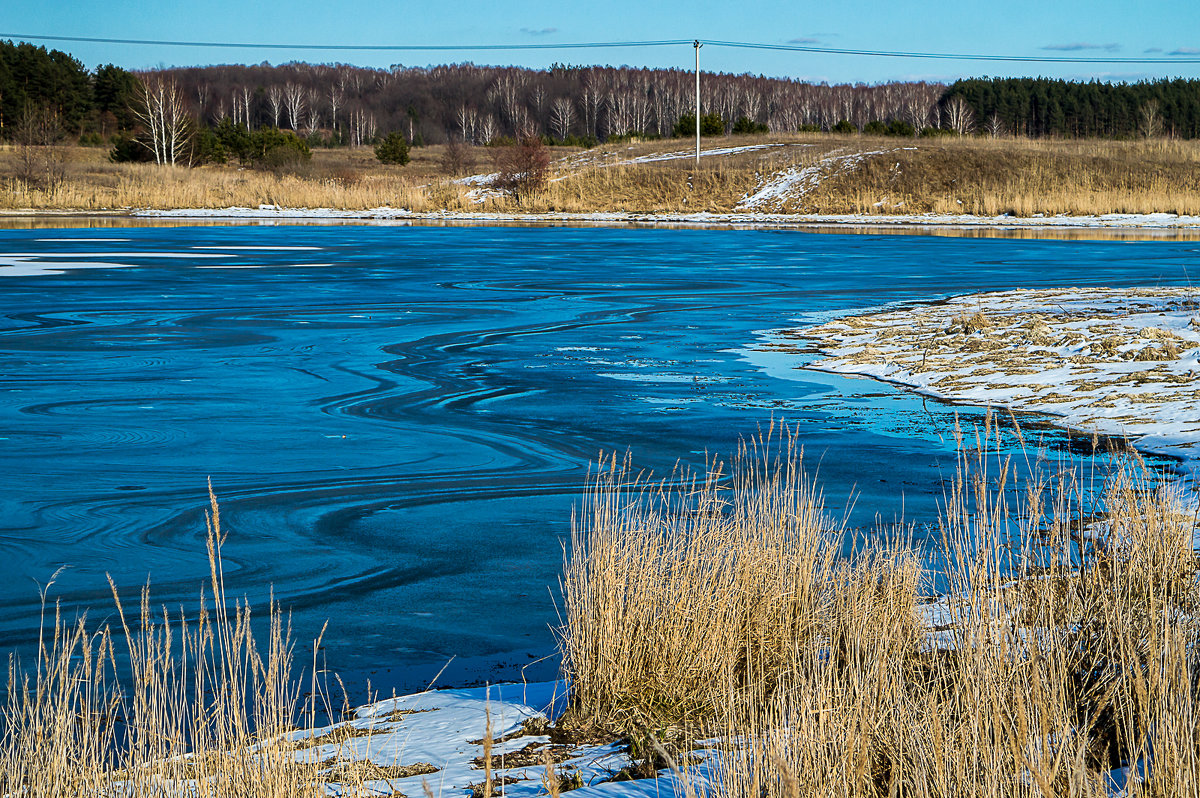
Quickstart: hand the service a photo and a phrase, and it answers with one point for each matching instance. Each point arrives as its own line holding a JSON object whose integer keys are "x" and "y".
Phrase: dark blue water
{"x": 397, "y": 421}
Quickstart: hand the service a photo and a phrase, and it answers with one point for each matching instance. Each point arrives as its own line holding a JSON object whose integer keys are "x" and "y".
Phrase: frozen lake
{"x": 397, "y": 420}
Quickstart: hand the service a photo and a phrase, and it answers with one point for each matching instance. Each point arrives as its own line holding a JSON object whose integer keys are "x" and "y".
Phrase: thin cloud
{"x": 1075, "y": 47}
{"x": 1185, "y": 51}
{"x": 1153, "y": 50}
{"x": 804, "y": 40}
{"x": 538, "y": 31}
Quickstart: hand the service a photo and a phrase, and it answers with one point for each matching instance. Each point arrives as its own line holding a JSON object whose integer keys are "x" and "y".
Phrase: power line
{"x": 1038, "y": 59}
{"x": 277, "y": 46}
{"x": 800, "y": 48}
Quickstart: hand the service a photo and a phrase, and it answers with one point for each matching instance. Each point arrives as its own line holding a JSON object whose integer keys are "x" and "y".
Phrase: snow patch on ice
{"x": 1104, "y": 361}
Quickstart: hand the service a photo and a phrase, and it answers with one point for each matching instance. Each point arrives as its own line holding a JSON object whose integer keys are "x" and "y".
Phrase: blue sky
{"x": 1013, "y": 27}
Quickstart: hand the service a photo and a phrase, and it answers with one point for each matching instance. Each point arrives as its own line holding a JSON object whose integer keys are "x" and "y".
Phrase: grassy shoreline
{"x": 829, "y": 175}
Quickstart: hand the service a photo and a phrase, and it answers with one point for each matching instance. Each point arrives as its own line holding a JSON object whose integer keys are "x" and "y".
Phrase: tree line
{"x": 1039, "y": 107}
{"x": 248, "y": 112}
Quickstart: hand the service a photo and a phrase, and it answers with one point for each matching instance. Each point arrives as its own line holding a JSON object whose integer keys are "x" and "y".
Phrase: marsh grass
{"x": 1061, "y": 658}
{"x": 201, "y": 706}
{"x": 970, "y": 175}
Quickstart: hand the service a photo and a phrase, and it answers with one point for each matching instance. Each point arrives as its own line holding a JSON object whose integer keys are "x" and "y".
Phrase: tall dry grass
{"x": 1061, "y": 658}
{"x": 1016, "y": 176}
{"x": 945, "y": 175}
{"x": 202, "y": 707}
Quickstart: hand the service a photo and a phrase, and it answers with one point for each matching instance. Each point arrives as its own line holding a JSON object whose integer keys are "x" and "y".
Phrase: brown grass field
{"x": 944, "y": 175}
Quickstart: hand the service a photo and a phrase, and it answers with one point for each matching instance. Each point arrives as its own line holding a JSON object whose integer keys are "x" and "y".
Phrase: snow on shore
{"x": 793, "y": 183}
{"x": 1117, "y": 221}
{"x": 1122, "y": 362}
{"x": 435, "y": 739}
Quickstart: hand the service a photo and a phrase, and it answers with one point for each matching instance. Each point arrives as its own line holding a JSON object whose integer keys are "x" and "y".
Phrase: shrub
{"x": 235, "y": 140}
{"x": 272, "y": 148}
{"x": 875, "y": 128}
{"x": 744, "y": 125}
{"x": 809, "y": 129}
{"x": 710, "y": 125}
{"x": 898, "y": 127}
{"x": 393, "y": 149}
{"x": 128, "y": 149}
{"x": 935, "y": 132}
{"x": 207, "y": 148}
{"x": 522, "y": 169}
{"x": 844, "y": 126}
{"x": 586, "y": 141}
{"x": 458, "y": 159}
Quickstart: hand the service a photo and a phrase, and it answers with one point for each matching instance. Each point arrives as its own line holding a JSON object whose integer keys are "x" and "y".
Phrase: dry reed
{"x": 971, "y": 175}
{"x": 203, "y": 707}
{"x": 1064, "y": 659}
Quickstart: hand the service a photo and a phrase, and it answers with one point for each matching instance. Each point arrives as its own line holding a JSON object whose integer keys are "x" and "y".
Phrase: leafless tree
{"x": 467, "y": 119}
{"x": 362, "y": 127}
{"x": 488, "y": 129}
{"x": 1150, "y": 119}
{"x": 995, "y": 126}
{"x": 335, "y": 101}
{"x": 959, "y": 116}
{"x": 294, "y": 103}
{"x": 562, "y": 113}
{"x": 313, "y": 118}
{"x": 457, "y": 158}
{"x": 40, "y": 164}
{"x": 247, "y": 96}
{"x": 159, "y": 105}
{"x": 202, "y": 93}
{"x": 275, "y": 101}
{"x": 591, "y": 97}
{"x": 522, "y": 169}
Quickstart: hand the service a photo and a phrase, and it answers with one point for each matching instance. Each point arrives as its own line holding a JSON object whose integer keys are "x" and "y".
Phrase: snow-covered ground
{"x": 1116, "y": 221}
{"x": 794, "y": 182}
{"x": 1120, "y": 362}
{"x": 434, "y": 740}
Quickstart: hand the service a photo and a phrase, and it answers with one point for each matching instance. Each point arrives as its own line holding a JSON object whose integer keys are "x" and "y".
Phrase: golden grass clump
{"x": 1060, "y": 659}
{"x": 204, "y": 708}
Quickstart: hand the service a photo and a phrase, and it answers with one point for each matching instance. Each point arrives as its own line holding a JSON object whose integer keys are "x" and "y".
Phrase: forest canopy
{"x": 340, "y": 105}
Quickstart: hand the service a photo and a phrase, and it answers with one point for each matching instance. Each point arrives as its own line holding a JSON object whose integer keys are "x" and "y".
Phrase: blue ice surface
{"x": 398, "y": 420}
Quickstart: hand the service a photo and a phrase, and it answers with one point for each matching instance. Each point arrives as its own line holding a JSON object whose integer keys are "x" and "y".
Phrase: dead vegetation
{"x": 990, "y": 177}
{"x": 202, "y": 703}
{"x": 1065, "y": 657}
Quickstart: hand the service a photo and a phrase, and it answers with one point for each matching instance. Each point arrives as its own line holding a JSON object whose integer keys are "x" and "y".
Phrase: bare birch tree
{"x": 1150, "y": 119}
{"x": 335, "y": 101}
{"x": 562, "y": 114}
{"x": 959, "y": 116}
{"x": 488, "y": 129}
{"x": 159, "y": 106}
{"x": 293, "y": 103}
{"x": 313, "y": 117}
{"x": 275, "y": 101}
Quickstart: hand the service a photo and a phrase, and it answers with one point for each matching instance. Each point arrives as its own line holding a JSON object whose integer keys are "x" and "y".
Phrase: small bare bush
{"x": 40, "y": 162}
{"x": 522, "y": 169}
{"x": 458, "y": 158}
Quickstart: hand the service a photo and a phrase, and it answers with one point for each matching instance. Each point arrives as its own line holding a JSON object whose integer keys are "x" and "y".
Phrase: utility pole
{"x": 697, "y": 45}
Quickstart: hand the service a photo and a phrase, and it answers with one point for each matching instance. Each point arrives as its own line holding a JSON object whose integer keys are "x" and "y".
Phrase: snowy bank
{"x": 434, "y": 740}
{"x": 1112, "y": 221}
{"x": 1113, "y": 362}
